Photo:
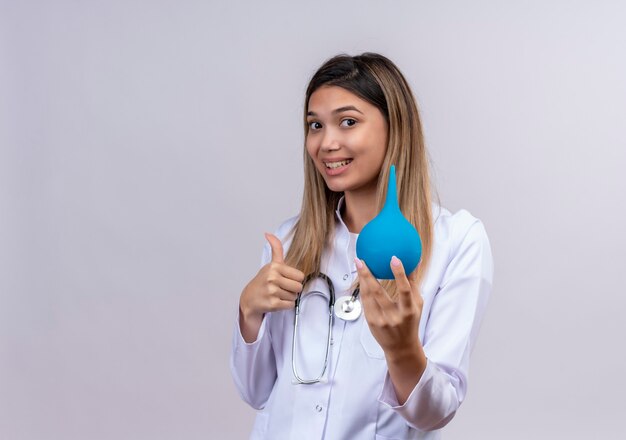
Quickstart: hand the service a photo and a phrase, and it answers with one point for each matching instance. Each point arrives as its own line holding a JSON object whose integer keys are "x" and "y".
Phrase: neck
{"x": 359, "y": 209}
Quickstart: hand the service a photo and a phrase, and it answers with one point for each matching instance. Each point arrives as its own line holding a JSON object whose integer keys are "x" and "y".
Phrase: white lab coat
{"x": 357, "y": 400}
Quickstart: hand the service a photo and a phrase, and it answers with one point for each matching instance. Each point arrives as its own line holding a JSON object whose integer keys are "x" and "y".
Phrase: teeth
{"x": 332, "y": 165}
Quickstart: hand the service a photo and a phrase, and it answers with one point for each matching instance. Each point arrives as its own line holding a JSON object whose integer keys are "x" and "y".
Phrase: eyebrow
{"x": 338, "y": 110}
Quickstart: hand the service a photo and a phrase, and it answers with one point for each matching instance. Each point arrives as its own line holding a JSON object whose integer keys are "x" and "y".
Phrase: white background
{"x": 145, "y": 146}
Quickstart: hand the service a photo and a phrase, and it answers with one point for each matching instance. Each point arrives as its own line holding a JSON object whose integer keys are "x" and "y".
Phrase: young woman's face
{"x": 347, "y": 139}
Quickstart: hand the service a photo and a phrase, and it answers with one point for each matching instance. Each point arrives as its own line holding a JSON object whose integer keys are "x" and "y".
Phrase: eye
{"x": 348, "y": 122}
{"x": 314, "y": 125}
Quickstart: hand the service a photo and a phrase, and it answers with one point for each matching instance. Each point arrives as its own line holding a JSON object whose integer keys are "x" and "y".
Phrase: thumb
{"x": 277, "y": 248}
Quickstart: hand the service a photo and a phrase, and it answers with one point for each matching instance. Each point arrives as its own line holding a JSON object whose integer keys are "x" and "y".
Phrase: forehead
{"x": 331, "y": 97}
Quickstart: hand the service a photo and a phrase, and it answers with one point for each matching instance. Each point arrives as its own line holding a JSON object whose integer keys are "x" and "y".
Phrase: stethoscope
{"x": 348, "y": 308}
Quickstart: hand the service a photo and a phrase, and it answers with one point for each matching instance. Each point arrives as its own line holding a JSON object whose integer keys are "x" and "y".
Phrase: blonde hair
{"x": 377, "y": 80}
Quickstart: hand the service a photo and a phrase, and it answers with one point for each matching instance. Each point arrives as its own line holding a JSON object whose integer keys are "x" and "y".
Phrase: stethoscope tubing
{"x": 331, "y": 314}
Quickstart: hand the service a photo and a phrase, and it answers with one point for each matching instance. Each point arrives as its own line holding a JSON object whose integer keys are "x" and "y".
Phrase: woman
{"x": 399, "y": 370}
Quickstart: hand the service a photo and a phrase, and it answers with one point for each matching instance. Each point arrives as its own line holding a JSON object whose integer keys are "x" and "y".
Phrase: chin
{"x": 338, "y": 188}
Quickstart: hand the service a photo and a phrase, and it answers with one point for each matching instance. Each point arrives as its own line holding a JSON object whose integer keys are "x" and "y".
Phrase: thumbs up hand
{"x": 277, "y": 248}
{"x": 274, "y": 287}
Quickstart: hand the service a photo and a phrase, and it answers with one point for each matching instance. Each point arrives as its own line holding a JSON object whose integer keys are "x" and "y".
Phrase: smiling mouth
{"x": 333, "y": 165}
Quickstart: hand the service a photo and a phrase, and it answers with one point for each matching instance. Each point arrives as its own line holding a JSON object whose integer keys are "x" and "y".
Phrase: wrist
{"x": 248, "y": 314}
{"x": 410, "y": 354}
{"x": 249, "y": 324}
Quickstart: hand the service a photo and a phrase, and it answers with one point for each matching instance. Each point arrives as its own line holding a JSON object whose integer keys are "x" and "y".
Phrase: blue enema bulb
{"x": 389, "y": 234}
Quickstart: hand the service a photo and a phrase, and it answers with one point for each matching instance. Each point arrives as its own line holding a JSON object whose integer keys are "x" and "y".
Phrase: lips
{"x": 335, "y": 167}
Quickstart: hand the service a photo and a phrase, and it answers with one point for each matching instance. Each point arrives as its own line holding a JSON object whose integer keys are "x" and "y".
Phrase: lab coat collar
{"x": 338, "y": 212}
{"x": 343, "y": 234}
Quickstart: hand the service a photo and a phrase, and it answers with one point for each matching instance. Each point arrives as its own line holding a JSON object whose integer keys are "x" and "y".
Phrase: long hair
{"x": 375, "y": 79}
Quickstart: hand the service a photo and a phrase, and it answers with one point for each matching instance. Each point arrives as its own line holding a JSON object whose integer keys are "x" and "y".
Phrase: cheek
{"x": 381, "y": 144}
{"x": 373, "y": 146}
{"x": 311, "y": 148}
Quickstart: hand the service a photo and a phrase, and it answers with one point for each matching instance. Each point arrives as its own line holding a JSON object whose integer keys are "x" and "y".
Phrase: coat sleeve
{"x": 450, "y": 333}
{"x": 253, "y": 365}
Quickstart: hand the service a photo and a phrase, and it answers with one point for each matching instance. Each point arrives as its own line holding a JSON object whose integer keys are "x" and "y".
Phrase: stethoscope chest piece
{"x": 348, "y": 308}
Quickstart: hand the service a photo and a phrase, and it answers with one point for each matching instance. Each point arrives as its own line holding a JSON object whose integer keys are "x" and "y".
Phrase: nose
{"x": 330, "y": 141}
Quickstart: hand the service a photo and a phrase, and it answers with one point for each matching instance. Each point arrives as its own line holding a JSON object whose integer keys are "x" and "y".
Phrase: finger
{"x": 286, "y": 295}
{"x": 413, "y": 280}
{"x": 283, "y": 304}
{"x": 371, "y": 309}
{"x": 289, "y": 285}
{"x": 277, "y": 247}
{"x": 402, "y": 283}
{"x": 372, "y": 286}
{"x": 365, "y": 276}
{"x": 291, "y": 273}
{"x": 413, "y": 275}
{"x": 275, "y": 293}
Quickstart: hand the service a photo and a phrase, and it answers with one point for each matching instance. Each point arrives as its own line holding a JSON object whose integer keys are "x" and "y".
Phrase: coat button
{"x": 345, "y": 276}
{"x": 318, "y": 408}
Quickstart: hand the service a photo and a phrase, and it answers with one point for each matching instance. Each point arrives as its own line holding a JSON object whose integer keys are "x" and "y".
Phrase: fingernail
{"x": 395, "y": 261}
{"x": 358, "y": 263}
